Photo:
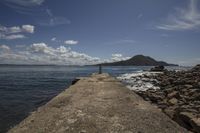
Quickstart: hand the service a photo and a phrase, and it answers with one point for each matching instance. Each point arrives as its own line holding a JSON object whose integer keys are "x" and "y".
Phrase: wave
{"x": 140, "y": 80}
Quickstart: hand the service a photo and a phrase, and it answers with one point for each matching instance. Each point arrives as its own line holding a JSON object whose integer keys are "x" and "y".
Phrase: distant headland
{"x": 139, "y": 60}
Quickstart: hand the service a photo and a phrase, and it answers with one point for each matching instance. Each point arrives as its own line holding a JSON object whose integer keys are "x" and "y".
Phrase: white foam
{"x": 139, "y": 81}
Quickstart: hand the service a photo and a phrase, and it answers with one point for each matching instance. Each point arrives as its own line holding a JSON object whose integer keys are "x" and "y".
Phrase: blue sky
{"x": 92, "y": 31}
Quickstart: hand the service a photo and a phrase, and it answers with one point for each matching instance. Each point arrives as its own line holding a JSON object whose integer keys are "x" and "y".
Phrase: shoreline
{"x": 176, "y": 93}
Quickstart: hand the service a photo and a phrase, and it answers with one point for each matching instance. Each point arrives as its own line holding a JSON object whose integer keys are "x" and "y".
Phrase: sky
{"x": 79, "y": 32}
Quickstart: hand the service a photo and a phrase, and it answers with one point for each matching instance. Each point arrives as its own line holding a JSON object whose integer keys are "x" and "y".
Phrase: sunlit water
{"x": 24, "y": 88}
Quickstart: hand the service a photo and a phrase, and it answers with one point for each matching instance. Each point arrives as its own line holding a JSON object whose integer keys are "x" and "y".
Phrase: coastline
{"x": 176, "y": 93}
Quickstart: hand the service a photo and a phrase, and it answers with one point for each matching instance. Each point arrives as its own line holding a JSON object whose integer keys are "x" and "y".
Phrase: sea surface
{"x": 23, "y": 88}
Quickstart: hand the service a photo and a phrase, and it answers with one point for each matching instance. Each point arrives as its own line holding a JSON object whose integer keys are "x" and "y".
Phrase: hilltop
{"x": 139, "y": 60}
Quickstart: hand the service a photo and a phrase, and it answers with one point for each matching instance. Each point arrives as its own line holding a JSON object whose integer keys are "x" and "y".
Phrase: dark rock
{"x": 196, "y": 96}
{"x": 195, "y": 122}
{"x": 158, "y": 69}
{"x": 190, "y": 121}
{"x": 178, "y": 96}
{"x": 184, "y": 118}
{"x": 188, "y": 86}
{"x": 168, "y": 90}
{"x": 170, "y": 112}
{"x": 162, "y": 104}
{"x": 74, "y": 81}
{"x": 196, "y": 68}
{"x": 173, "y": 94}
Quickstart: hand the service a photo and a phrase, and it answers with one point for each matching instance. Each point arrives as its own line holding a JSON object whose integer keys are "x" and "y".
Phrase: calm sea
{"x": 24, "y": 88}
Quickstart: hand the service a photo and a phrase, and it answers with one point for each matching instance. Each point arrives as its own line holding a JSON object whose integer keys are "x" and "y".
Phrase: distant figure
{"x": 100, "y": 69}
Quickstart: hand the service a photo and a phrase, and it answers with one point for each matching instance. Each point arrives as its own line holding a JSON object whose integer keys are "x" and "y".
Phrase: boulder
{"x": 188, "y": 86}
{"x": 195, "y": 122}
{"x": 173, "y": 101}
{"x": 169, "y": 90}
{"x": 158, "y": 69}
{"x": 190, "y": 121}
{"x": 173, "y": 94}
{"x": 184, "y": 119}
{"x": 195, "y": 96}
{"x": 196, "y": 68}
{"x": 74, "y": 81}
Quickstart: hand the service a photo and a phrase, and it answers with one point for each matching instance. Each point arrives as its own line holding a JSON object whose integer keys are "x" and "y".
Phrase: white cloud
{"x": 118, "y": 57}
{"x": 53, "y": 39}
{"x": 11, "y": 30}
{"x": 28, "y": 28}
{"x": 12, "y": 37}
{"x": 26, "y": 2}
{"x": 71, "y": 42}
{"x": 183, "y": 19}
{"x": 4, "y": 47}
{"x": 41, "y": 48}
{"x": 15, "y": 32}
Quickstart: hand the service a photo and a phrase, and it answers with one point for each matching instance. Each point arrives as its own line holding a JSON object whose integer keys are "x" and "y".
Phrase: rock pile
{"x": 178, "y": 96}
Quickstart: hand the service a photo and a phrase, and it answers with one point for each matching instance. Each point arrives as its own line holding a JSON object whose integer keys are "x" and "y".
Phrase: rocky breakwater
{"x": 178, "y": 96}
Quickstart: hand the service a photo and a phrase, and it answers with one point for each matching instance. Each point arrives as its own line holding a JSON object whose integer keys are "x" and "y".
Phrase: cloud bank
{"x": 41, "y": 53}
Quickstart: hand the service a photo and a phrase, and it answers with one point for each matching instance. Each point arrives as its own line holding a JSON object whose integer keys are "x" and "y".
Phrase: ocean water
{"x": 24, "y": 88}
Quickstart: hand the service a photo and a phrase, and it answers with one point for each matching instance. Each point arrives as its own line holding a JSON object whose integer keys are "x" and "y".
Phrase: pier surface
{"x": 98, "y": 104}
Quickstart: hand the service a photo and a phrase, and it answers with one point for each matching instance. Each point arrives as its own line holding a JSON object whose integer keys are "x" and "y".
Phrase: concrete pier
{"x": 98, "y": 104}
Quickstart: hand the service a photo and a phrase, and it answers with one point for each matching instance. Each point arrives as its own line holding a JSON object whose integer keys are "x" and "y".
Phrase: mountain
{"x": 139, "y": 60}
